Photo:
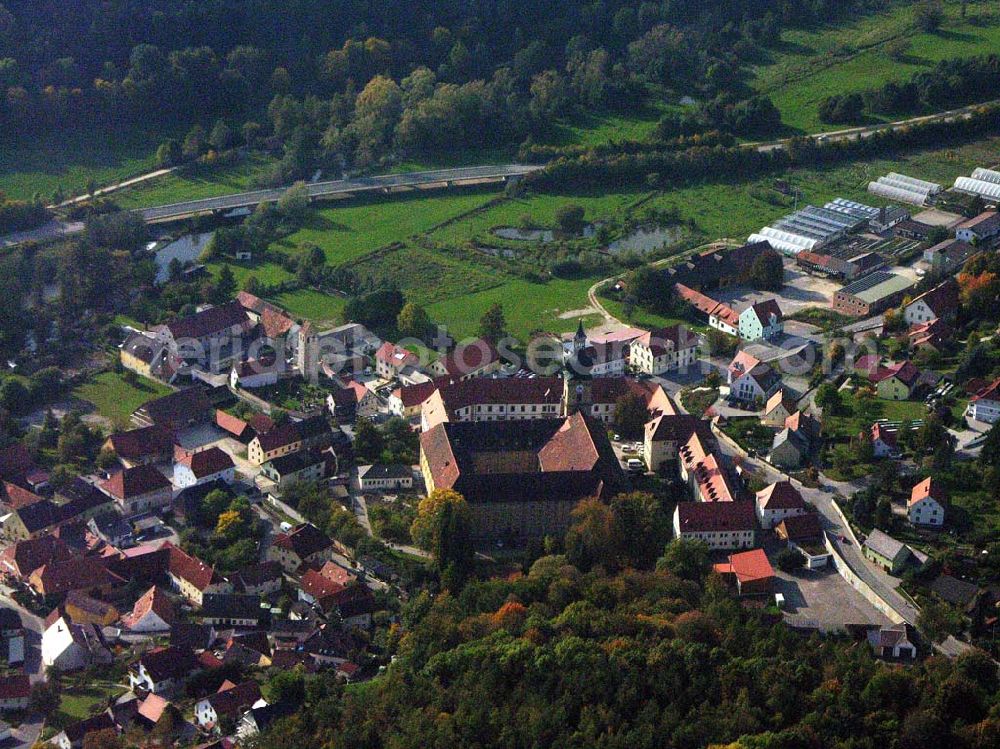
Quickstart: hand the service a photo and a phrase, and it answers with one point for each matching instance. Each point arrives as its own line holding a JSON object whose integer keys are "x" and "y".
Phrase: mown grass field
{"x": 353, "y": 229}
{"x": 196, "y": 182}
{"x": 80, "y": 701}
{"x": 69, "y": 158}
{"x": 114, "y": 398}
{"x": 809, "y": 65}
{"x": 311, "y": 305}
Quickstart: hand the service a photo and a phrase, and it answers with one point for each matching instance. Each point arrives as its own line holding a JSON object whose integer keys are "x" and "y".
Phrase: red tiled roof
{"x": 883, "y": 434}
{"x": 414, "y": 395}
{"x": 800, "y": 527}
{"x": 905, "y": 371}
{"x": 396, "y": 356}
{"x": 18, "y": 496}
{"x": 25, "y": 557}
{"x": 232, "y": 424}
{"x": 318, "y": 586}
{"x": 231, "y": 699}
{"x": 172, "y": 662}
{"x": 508, "y": 390}
{"x": 990, "y": 392}
{"x": 153, "y": 600}
{"x": 190, "y": 568}
{"x": 780, "y": 496}
{"x": 15, "y": 687}
{"x": 335, "y": 573}
{"x": 210, "y": 321}
{"x": 261, "y": 423}
{"x": 469, "y": 358}
{"x": 137, "y": 444}
{"x": 765, "y": 309}
{"x": 928, "y": 488}
{"x": 278, "y": 437}
{"x": 305, "y": 540}
{"x": 275, "y": 322}
{"x": 748, "y": 566}
{"x": 134, "y": 482}
{"x": 678, "y": 337}
{"x": 79, "y": 573}
{"x": 708, "y": 517}
{"x": 207, "y": 462}
{"x": 942, "y": 299}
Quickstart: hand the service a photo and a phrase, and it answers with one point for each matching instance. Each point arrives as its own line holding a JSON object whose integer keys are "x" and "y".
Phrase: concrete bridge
{"x": 342, "y": 188}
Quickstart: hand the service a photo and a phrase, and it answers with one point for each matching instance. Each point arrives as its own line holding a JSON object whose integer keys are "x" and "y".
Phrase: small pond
{"x": 186, "y": 249}
{"x": 646, "y": 238}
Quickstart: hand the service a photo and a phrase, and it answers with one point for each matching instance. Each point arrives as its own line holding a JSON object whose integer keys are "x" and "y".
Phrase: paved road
{"x": 869, "y": 130}
{"x": 51, "y": 230}
{"x": 31, "y": 728}
{"x": 381, "y": 183}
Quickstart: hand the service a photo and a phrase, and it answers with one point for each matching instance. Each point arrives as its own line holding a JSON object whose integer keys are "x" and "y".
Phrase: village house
{"x": 936, "y": 335}
{"x": 897, "y": 381}
{"x": 304, "y": 544}
{"x": 749, "y": 571}
{"x": 984, "y": 406}
{"x": 804, "y": 534}
{"x": 927, "y": 502}
{"x": 84, "y": 609}
{"x": 211, "y": 338}
{"x": 598, "y": 397}
{"x": 229, "y": 702}
{"x": 779, "y": 501}
{"x": 163, "y": 670}
{"x": 191, "y": 577}
{"x": 203, "y": 467}
{"x": 941, "y": 302}
{"x": 707, "y": 471}
{"x": 81, "y": 574}
{"x": 478, "y": 358}
{"x": 353, "y": 401}
{"x": 67, "y": 646}
{"x": 74, "y": 735}
{"x": 261, "y": 579}
{"x": 979, "y": 229}
{"x": 778, "y": 408}
{"x": 286, "y": 470}
{"x": 886, "y": 552}
{"x": 664, "y": 350}
{"x": 750, "y": 380}
{"x": 254, "y": 373}
{"x": 143, "y": 354}
{"x": 762, "y": 320}
{"x": 663, "y": 436}
{"x": 492, "y": 399}
{"x": 789, "y": 449}
{"x": 176, "y": 411}
{"x": 227, "y": 610}
{"x": 884, "y": 441}
{"x": 720, "y": 525}
{"x": 234, "y": 426}
{"x": 135, "y": 447}
{"x": 15, "y": 692}
{"x": 407, "y": 401}
{"x": 154, "y": 612}
{"x": 382, "y": 478}
{"x": 391, "y": 359}
{"x": 720, "y": 316}
{"x": 138, "y": 490}
{"x": 281, "y": 440}
{"x": 950, "y": 255}
{"x": 893, "y": 641}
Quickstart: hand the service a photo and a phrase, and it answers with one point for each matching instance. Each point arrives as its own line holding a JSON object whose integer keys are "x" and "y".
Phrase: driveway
{"x": 822, "y": 598}
{"x": 26, "y": 735}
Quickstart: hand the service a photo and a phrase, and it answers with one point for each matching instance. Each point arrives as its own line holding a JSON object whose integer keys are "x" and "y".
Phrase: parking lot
{"x": 822, "y": 598}
{"x": 800, "y": 291}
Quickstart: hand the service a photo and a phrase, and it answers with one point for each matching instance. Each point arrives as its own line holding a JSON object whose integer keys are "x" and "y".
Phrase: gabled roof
{"x": 318, "y": 586}
{"x": 779, "y": 399}
{"x": 763, "y": 311}
{"x": 275, "y": 323}
{"x": 230, "y": 606}
{"x": 78, "y": 573}
{"x": 780, "y": 495}
{"x": 984, "y": 222}
{"x": 18, "y": 497}
{"x": 414, "y": 395}
{"x": 155, "y": 601}
{"x": 305, "y": 540}
{"x": 800, "y": 527}
{"x": 748, "y": 566}
{"x": 713, "y": 517}
{"x": 172, "y": 662}
{"x": 803, "y": 423}
{"x": 385, "y": 471}
{"x": 396, "y": 356}
{"x": 884, "y": 545}
{"x": 904, "y": 371}
{"x": 285, "y": 465}
{"x": 76, "y": 732}
{"x": 990, "y": 392}
{"x": 928, "y": 488}
{"x": 135, "y": 482}
{"x": 207, "y": 462}
{"x": 15, "y": 687}
{"x": 231, "y": 424}
{"x": 175, "y": 410}
{"x": 660, "y": 341}
{"x": 186, "y": 567}
{"x": 231, "y": 700}
{"x": 469, "y": 358}
{"x": 278, "y": 437}
{"x": 742, "y": 363}
{"x": 942, "y": 299}
{"x": 209, "y": 321}
{"x": 137, "y": 444}
{"x": 152, "y": 707}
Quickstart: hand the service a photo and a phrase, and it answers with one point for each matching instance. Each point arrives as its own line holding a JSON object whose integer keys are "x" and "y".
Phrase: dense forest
{"x": 566, "y": 656}
{"x": 354, "y": 82}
